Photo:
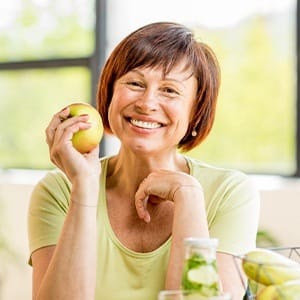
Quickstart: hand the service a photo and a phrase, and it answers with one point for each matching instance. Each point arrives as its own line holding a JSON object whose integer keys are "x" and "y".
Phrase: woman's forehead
{"x": 182, "y": 69}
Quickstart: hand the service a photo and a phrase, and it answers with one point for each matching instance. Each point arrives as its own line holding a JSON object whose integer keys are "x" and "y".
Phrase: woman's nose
{"x": 148, "y": 101}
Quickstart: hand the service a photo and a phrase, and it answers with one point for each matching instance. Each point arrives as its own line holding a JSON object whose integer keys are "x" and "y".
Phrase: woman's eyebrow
{"x": 164, "y": 77}
{"x": 137, "y": 71}
{"x": 180, "y": 81}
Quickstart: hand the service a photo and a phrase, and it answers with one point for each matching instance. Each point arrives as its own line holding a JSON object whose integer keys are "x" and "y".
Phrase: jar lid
{"x": 201, "y": 242}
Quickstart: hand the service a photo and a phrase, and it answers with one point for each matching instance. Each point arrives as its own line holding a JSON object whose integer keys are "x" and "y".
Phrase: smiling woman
{"x": 140, "y": 55}
{"x": 255, "y": 43}
{"x": 151, "y": 102}
{"x": 124, "y": 219}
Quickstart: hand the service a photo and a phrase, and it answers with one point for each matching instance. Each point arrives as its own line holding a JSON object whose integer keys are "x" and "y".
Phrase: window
{"x": 45, "y": 61}
{"x": 255, "y": 41}
{"x": 29, "y": 98}
{"x": 39, "y": 29}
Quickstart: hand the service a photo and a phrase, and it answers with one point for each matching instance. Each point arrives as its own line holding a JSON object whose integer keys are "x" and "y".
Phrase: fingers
{"x": 59, "y": 135}
{"x": 163, "y": 185}
{"x": 153, "y": 188}
{"x": 141, "y": 200}
{"x": 62, "y": 127}
{"x": 141, "y": 208}
{"x": 66, "y": 129}
{"x": 57, "y": 119}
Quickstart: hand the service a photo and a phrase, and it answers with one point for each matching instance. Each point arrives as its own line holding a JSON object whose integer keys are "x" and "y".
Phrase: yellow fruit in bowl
{"x": 290, "y": 290}
{"x": 86, "y": 140}
{"x": 269, "y": 267}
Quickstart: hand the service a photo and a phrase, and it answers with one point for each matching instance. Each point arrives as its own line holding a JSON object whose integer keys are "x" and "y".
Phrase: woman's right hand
{"x": 59, "y": 135}
{"x": 163, "y": 185}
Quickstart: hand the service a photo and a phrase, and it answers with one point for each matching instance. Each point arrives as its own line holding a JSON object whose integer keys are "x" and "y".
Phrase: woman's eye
{"x": 170, "y": 91}
{"x": 135, "y": 83}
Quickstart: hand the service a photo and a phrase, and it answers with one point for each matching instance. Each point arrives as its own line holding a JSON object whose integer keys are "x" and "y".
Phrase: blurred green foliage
{"x": 28, "y": 101}
{"x": 48, "y": 29}
{"x": 255, "y": 122}
{"x": 29, "y": 98}
{"x": 265, "y": 239}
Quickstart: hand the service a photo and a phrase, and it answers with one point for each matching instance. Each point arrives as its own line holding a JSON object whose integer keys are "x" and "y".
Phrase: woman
{"x": 121, "y": 237}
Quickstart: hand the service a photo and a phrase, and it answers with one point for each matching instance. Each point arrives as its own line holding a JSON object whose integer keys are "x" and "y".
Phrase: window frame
{"x": 297, "y": 137}
{"x": 95, "y": 61}
{"x": 92, "y": 62}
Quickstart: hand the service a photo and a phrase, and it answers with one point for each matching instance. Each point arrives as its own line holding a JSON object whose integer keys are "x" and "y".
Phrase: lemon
{"x": 205, "y": 275}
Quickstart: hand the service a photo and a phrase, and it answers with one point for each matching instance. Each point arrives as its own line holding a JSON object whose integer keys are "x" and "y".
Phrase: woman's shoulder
{"x": 218, "y": 178}
{"x": 54, "y": 178}
{"x": 200, "y": 168}
{"x": 54, "y": 185}
{"x": 224, "y": 183}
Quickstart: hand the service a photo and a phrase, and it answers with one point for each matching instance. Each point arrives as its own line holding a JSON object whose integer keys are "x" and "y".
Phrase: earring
{"x": 194, "y": 133}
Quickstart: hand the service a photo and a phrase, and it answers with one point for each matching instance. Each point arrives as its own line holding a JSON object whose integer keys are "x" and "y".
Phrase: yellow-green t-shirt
{"x": 232, "y": 205}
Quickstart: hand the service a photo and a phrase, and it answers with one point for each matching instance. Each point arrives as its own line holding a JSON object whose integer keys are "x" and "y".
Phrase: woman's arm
{"x": 237, "y": 223}
{"x": 68, "y": 270}
{"x": 189, "y": 221}
{"x": 232, "y": 277}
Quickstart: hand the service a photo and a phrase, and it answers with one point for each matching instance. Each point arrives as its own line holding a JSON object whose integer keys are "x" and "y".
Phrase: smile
{"x": 146, "y": 125}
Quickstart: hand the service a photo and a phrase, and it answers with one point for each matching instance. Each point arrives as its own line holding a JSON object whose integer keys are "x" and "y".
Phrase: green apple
{"x": 87, "y": 139}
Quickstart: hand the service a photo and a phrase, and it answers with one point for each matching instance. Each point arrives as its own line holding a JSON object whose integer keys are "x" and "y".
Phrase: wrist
{"x": 87, "y": 205}
{"x": 86, "y": 181}
{"x": 187, "y": 190}
{"x": 85, "y": 192}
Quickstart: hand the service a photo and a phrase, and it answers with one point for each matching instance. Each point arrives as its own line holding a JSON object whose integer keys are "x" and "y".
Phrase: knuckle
{"x": 47, "y": 130}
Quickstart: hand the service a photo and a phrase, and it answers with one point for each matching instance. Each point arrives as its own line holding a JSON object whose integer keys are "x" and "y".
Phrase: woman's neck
{"x": 128, "y": 170}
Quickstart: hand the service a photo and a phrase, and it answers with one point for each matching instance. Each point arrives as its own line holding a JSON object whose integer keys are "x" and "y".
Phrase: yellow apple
{"x": 87, "y": 139}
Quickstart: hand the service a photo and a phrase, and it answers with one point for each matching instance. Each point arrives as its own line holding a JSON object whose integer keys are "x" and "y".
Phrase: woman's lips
{"x": 145, "y": 124}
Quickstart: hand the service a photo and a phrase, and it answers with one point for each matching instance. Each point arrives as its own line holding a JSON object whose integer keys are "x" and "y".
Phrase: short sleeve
{"x": 47, "y": 210}
{"x": 235, "y": 222}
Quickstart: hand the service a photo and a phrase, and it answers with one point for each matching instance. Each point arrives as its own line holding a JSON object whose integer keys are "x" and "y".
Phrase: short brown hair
{"x": 165, "y": 44}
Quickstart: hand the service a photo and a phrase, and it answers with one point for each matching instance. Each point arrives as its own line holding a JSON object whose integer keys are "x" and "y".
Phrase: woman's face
{"x": 150, "y": 112}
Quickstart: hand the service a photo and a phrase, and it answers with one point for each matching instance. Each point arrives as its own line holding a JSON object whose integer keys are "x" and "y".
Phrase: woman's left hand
{"x": 161, "y": 185}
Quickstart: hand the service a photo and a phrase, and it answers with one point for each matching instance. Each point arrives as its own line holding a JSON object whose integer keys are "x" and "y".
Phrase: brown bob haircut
{"x": 164, "y": 45}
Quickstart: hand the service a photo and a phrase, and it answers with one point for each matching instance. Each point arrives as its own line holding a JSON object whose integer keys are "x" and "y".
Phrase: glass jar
{"x": 200, "y": 274}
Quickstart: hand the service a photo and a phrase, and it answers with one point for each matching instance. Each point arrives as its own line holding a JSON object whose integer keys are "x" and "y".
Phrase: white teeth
{"x": 147, "y": 125}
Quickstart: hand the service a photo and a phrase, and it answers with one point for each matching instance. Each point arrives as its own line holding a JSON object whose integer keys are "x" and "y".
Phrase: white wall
{"x": 15, "y": 273}
{"x": 280, "y": 214}
{"x": 280, "y": 208}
